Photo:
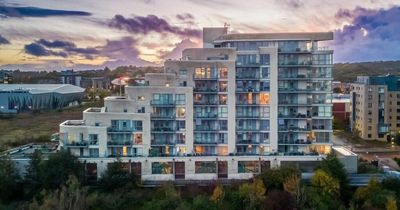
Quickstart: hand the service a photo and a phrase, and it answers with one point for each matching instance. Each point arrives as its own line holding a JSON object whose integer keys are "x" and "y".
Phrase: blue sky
{"x": 87, "y": 34}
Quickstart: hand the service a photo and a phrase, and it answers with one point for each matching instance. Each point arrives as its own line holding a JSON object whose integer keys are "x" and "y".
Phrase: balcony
{"x": 211, "y": 142}
{"x": 292, "y": 128}
{"x": 164, "y": 129}
{"x": 206, "y": 115}
{"x": 294, "y": 63}
{"x": 248, "y": 76}
{"x": 76, "y": 143}
{"x": 207, "y": 103}
{"x": 162, "y": 103}
{"x": 119, "y": 143}
{"x": 248, "y": 89}
{"x": 169, "y": 116}
{"x": 208, "y": 128}
{"x": 293, "y": 76}
{"x": 164, "y": 142}
{"x": 122, "y": 130}
{"x": 293, "y": 115}
{"x": 205, "y": 90}
{"x": 292, "y": 141}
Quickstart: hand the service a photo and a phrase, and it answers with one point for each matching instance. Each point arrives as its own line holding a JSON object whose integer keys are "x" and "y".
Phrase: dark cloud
{"x": 185, "y": 16}
{"x": 150, "y": 23}
{"x": 119, "y": 52}
{"x": 371, "y": 35}
{"x": 295, "y": 4}
{"x": 44, "y": 47}
{"x": 37, "y": 12}
{"x": 3, "y": 40}
{"x": 38, "y": 50}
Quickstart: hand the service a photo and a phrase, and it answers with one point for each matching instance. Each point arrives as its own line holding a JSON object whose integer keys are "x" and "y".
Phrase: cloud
{"x": 150, "y": 23}
{"x": 176, "y": 52}
{"x": 123, "y": 52}
{"x": 371, "y": 35}
{"x": 37, "y": 12}
{"x": 117, "y": 52}
{"x": 38, "y": 50}
{"x": 294, "y": 4}
{"x": 3, "y": 40}
{"x": 185, "y": 16}
{"x": 44, "y": 47}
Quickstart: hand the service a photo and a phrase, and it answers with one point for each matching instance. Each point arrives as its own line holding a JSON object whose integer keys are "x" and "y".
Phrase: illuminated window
{"x": 223, "y": 86}
{"x": 180, "y": 111}
{"x": 222, "y": 150}
{"x": 248, "y": 167}
{"x": 264, "y": 98}
{"x": 138, "y": 138}
{"x": 223, "y": 99}
{"x": 124, "y": 151}
{"x": 249, "y": 98}
{"x": 223, "y": 73}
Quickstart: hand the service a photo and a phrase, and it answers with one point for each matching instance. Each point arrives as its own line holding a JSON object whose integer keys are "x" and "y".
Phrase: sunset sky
{"x": 87, "y": 34}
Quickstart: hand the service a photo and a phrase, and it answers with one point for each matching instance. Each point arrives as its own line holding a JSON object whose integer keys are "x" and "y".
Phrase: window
{"x": 137, "y": 125}
{"x": 94, "y": 152}
{"x": 202, "y": 167}
{"x": 369, "y": 105}
{"x": 138, "y": 138}
{"x": 223, "y": 73}
{"x": 180, "y": 99}
{"x": 180, "y": 111}
{"x": 264, "y": 86}
{"x": 324, "y": 111}
{"x": 264, "y": 111}
{"x": 181, "y": 125}
{"x": 222, "y": 138}
{"x": 183, "y": 72}
{"x": 222, "y": 111}
{"x": 264, "y": 125}
{"x": 248, "y": 167}
{"x": 223, "y": 125}
{"x": 264, "y": 59}
{"x": 246, "y": 59}
{"x": 264, "y": 98}
{"x": 161, "y": 168}
{"x": 369, "y": 128}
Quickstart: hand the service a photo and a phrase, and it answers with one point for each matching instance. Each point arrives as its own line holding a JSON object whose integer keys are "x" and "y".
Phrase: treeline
{"x": 34, "y": 77}
{"x": 348, "y": 72}
{"x": 59, "y": 183}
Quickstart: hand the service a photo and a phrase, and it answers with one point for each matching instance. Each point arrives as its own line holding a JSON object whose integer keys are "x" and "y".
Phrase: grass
{"x": 36, "y": 127}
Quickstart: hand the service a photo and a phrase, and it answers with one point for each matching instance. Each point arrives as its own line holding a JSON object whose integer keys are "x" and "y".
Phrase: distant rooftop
{"x": 391, "y": 81}
{"x": 42, "y": 88}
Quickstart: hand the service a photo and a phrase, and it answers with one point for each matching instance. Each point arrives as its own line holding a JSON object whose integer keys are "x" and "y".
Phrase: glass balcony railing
{"x": 293, "y": 115}
{"x": 164, "y": 129}
{"x": 205, "y": 89}
{"x": 206, "y": 115}
{"x": 293, "y": 76}
{"x": 211, "y": 142}
{"x": 295, "y": 63}
{"x": 247, "y": 76}
{"x": 76, "y": 143}
{"x": 293, "y": 128}
{"x": 294, "y": 141}
{"x": 162, "y": 103}
{"x": 163, "y": 115}
{"x": 119, "y": 143}
{"x": 166, "y": 141}
{"x": 209, "y": 128}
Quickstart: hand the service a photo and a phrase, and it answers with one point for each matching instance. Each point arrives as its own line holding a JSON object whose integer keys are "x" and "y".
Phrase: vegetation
{"x": 24, "y": 128}
{"x": 58, "y": 183}
{"x": 348, "y": 72}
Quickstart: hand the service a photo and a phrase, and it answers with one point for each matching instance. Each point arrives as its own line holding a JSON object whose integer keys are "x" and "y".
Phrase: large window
{"x": 223, "y": 73}
{"x": 248, "y": 167}
{"x": 246, "y": 59}
{"x": 264, "y": 98}
{"x": 161, "y": 168}
{"x": 223, "y": 112}
{"x": 264, "y": 59}
{"x": 265, "y": 72}
{"x": 205, "y": 73}
{"x": 202, "y": 167}
{"x": 180, "y": 99}
{"x": 324, "y": 111}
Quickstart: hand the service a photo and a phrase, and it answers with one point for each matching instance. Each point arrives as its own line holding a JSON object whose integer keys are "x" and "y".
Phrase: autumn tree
{"x": 253, "y": 193}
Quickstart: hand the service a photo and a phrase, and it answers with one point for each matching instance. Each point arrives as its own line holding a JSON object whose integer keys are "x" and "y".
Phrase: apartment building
{"x": 239, "y": 105}
{"x": 375, "y": 102}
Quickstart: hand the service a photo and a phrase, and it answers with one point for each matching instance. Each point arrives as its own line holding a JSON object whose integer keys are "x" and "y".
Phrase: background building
{"x": 341, "y": 109}
{"x": 375, "y": 104}
{"x": 6, "y": 77}
{"x": 16, "y": 98}
{"x": 70, "y": 77}
{"x": 241, "y": 104}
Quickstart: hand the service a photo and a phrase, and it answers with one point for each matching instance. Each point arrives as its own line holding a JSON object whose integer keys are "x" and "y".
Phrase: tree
{"x": 117, "y": 177}
{"x": 335, "y": 169}
{"x": 70, "y": 197}
{"x": 293, "y": 186}
{"x": 327, "y": 184}
{"x": 10, "y": 181}
{"x": 218, "y": 194}
{"x": 371, "y": 196}
{"x": 32, "y": 178}
{"x": 281, "y": 200}
{"x": 391, "y": 203}
{"x": 253, "y": 193}
{"x": 274, "y": 178}
{"x": 58, "y": 168}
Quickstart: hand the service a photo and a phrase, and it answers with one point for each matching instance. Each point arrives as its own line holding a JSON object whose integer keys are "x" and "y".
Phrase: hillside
{"x": 348, "y": 72}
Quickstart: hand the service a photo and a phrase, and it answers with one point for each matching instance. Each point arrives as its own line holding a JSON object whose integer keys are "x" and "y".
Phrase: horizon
{"x": 46, "y": 35}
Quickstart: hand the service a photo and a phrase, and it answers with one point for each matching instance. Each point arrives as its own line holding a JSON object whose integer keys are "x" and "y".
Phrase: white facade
{"x": 243, "y": 103}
